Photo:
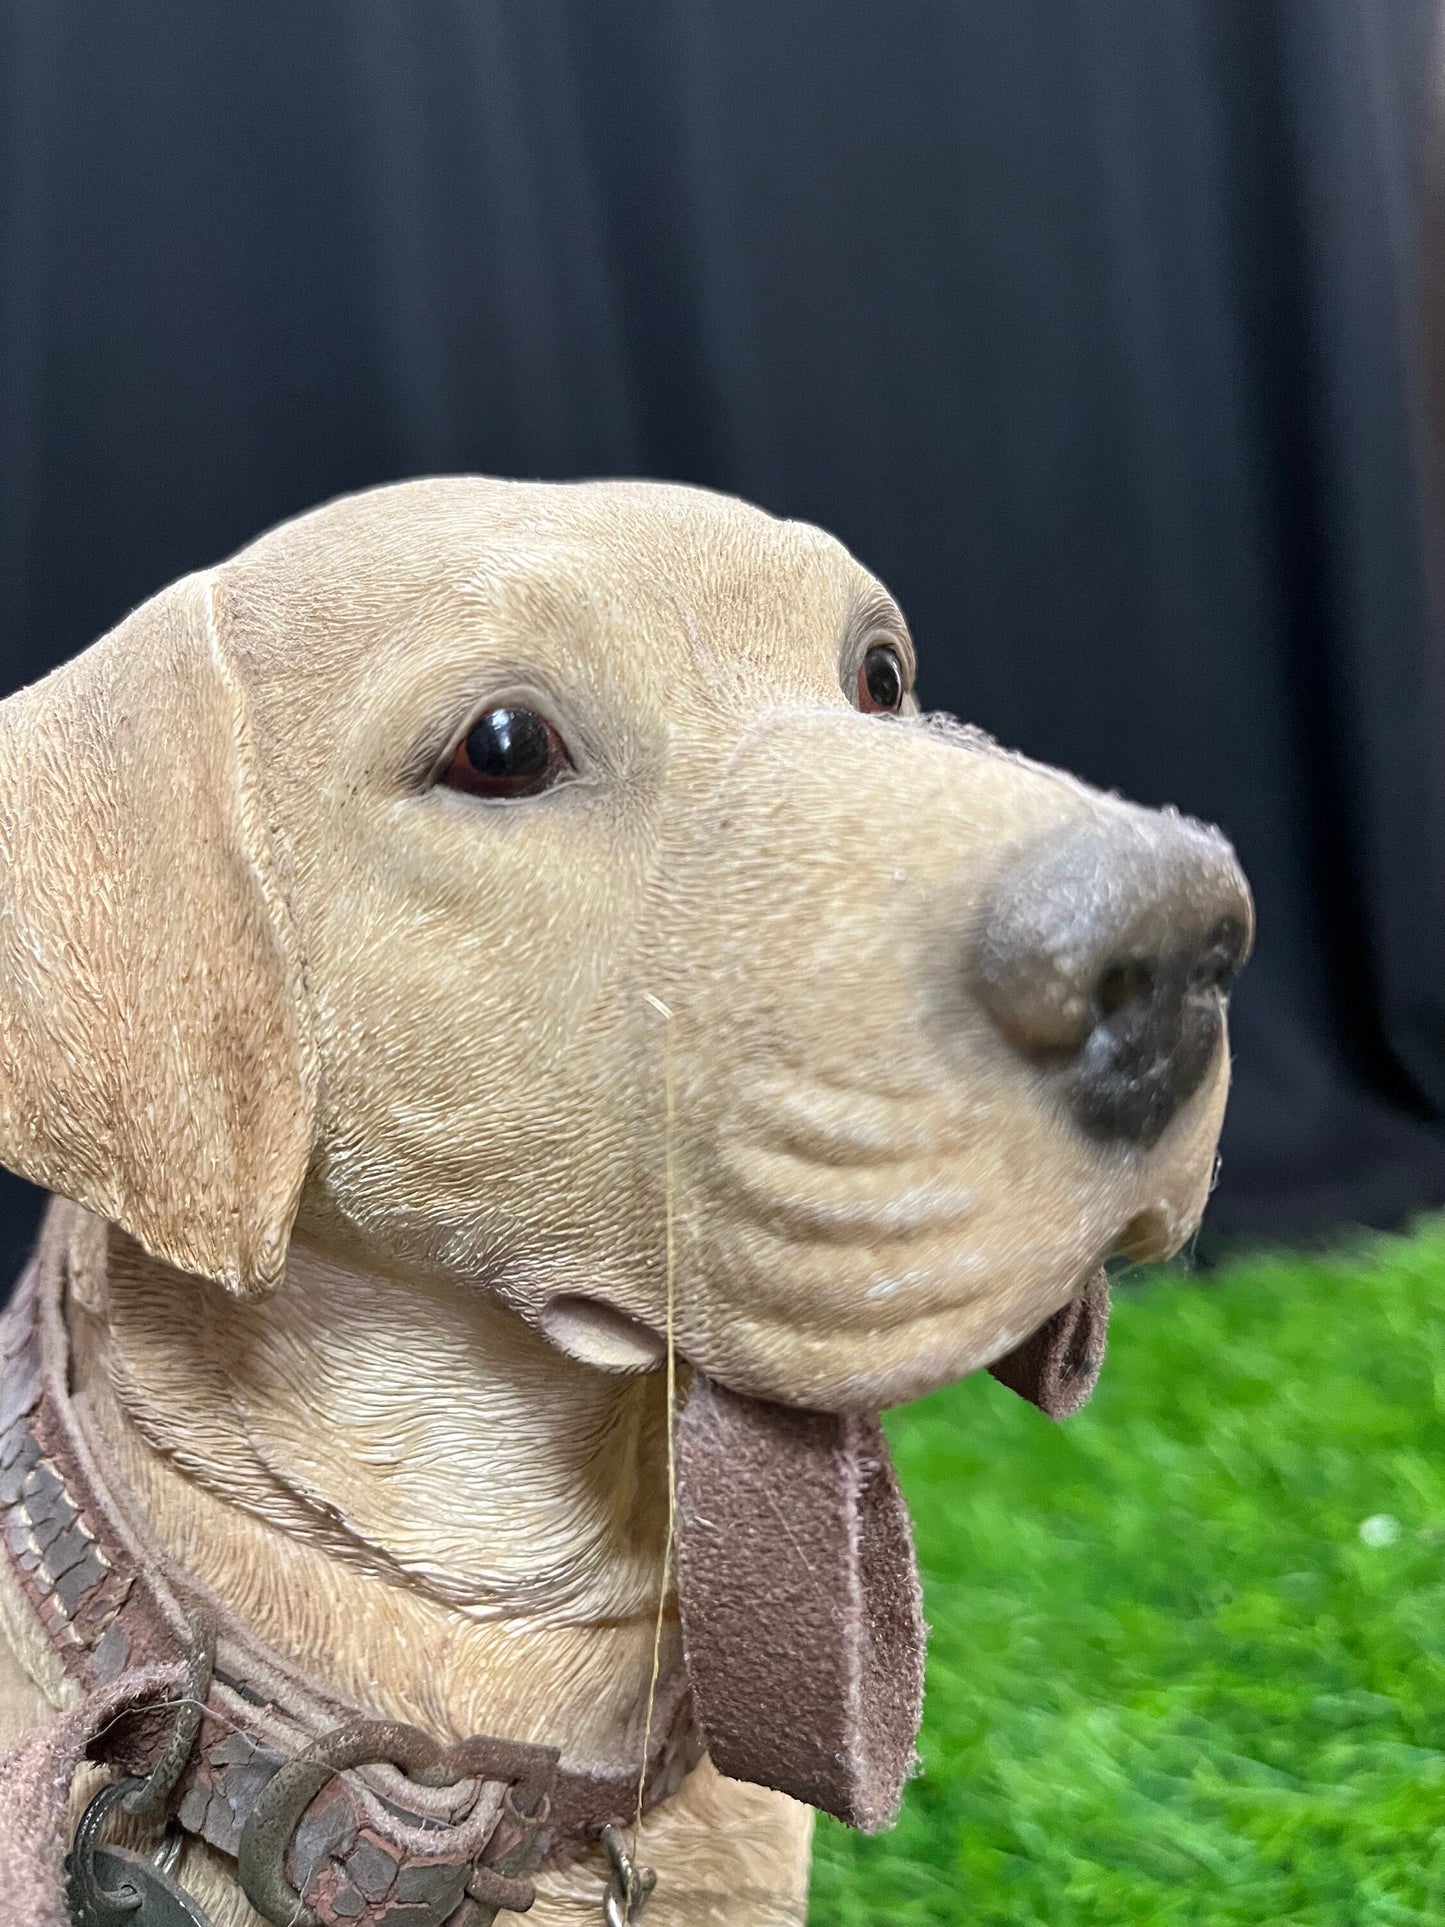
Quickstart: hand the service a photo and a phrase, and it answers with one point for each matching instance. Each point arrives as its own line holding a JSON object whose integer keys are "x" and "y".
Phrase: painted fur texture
{"x": 358, "y": 1085}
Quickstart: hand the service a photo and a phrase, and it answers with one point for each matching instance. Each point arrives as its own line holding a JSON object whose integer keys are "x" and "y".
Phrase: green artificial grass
{"x": 1187, "y": 1659}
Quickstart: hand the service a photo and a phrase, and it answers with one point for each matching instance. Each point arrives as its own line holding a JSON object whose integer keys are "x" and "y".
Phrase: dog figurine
{"x": 484, "y": 953}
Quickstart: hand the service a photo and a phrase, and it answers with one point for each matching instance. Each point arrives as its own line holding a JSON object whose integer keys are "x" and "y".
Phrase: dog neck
{"x": 402, "y": 1488}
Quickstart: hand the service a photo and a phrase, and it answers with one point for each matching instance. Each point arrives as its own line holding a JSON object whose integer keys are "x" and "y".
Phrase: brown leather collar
{"x": 364, "y": 1840}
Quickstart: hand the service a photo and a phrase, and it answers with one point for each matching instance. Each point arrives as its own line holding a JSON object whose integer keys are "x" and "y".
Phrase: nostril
{"x": 1122, "y": 984}
{"x": 1106, "y": 958}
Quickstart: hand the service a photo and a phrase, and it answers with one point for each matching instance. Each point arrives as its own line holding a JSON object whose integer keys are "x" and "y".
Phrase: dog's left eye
{"x": 507, "y": 752}
{"x": 882, "y": 681}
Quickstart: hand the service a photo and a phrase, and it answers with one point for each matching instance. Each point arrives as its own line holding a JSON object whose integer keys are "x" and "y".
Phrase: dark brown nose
{"x": 1108, "y": 954}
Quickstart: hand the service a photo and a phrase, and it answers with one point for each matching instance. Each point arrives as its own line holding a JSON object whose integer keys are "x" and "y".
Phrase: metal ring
{"x": 167, "y": 1856}
{"x": 116, "y": 1887}
{"x": 630, "y": 1887}
{"x": 85, "y": 1888}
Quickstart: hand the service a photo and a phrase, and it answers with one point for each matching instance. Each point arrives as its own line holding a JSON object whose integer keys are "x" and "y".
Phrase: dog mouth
{"x": 593, "y": 1331}
{"x": 818, "y": 1165}
{"x": 850, "y": 1250}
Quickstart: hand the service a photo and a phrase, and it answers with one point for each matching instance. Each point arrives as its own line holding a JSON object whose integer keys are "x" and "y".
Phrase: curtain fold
{"x": 1092, "y": 327}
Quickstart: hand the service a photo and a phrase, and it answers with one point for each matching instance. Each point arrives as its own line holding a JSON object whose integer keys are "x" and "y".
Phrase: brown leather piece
{"x": 1058, "y": 1367}
{"x": 35, "y": 1793}
{"x": 801, "y": 1608}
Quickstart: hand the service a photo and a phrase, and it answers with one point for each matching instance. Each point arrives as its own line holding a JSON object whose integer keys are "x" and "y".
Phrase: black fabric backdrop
{"x": 1087, "y": 323}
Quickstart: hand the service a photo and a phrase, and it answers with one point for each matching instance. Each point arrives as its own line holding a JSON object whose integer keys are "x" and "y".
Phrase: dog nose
{"x": 1108, "y": 952}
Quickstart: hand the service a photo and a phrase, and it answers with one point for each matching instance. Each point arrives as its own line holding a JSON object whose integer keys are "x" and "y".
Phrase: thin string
{"x": 671, "y": 1248}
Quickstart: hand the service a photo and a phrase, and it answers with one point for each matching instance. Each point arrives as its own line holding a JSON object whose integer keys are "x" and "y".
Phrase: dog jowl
{"x": 483, "y": 926}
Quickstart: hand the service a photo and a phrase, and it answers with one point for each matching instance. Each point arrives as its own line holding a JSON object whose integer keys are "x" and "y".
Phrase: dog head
{"x": 554, "y": 891}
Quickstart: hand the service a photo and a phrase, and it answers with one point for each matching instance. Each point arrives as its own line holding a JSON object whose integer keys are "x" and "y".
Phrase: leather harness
{"x": 333, "y": 1817}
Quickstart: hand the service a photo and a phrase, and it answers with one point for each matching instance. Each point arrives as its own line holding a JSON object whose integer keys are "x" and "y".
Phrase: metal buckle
{"x": 527, "y": 1771}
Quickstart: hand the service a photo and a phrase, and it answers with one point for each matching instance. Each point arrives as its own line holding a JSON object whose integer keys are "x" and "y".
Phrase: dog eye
{"x": 507, "y": 752}
{"x": 882, "y": 684}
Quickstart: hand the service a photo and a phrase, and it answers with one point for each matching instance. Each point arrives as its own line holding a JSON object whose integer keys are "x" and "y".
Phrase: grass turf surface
{"x": 1170, "y": 1680}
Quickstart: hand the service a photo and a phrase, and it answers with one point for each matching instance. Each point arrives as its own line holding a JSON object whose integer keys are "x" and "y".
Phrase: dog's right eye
{"x": 506, "y": 753}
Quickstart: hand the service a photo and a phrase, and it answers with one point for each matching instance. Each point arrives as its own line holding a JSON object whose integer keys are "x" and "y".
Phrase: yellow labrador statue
{"x": 541, "y": 1042}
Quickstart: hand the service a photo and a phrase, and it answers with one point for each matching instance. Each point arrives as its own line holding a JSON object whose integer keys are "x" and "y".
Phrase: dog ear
{"x": 156, "y": 1059}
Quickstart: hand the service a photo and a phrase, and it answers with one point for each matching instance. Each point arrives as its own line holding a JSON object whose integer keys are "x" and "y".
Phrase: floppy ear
{"x": 156, "y": 1060}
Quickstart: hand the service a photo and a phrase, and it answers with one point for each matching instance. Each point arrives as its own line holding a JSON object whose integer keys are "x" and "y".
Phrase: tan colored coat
{"x": 374, "y": 1073}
